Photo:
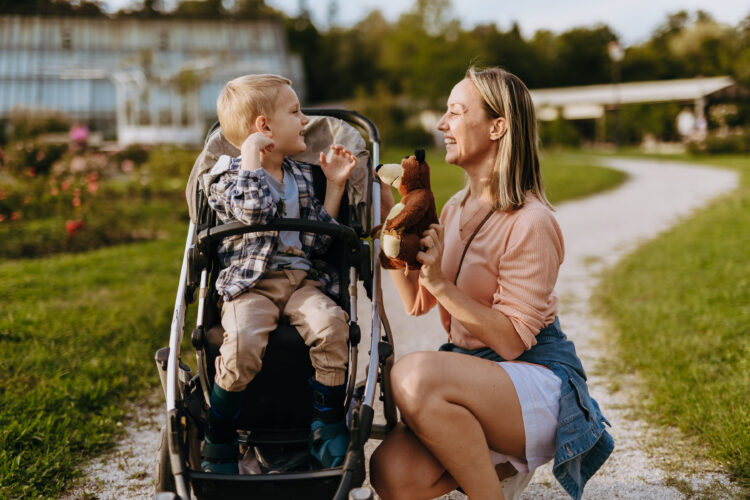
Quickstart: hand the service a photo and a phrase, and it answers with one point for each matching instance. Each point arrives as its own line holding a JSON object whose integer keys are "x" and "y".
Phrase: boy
{"x": 269, "y": 274}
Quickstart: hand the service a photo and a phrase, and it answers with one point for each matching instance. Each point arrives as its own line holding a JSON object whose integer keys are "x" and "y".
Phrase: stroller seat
{"x": 278, "y": 401}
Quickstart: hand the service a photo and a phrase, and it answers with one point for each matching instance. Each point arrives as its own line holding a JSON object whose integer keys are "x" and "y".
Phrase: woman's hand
{"x": 338, "y": 165}
{"x": 431, "y": 275}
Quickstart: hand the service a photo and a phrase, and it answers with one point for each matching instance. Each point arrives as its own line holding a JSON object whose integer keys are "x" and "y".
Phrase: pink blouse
{"x": 511, "y": 266}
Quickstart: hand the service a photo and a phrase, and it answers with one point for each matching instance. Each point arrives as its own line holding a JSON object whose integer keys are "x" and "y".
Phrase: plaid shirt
{"x": 244, "y": 196}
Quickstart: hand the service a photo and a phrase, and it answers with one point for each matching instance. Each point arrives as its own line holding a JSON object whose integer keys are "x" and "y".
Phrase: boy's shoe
{"x": 221, "y": 458}
{"x": 328, "y": 443}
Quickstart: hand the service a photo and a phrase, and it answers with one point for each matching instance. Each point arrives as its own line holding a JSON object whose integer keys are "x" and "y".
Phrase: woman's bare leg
{"x": 458, "y": 407}
{"x": 402, "y": 468}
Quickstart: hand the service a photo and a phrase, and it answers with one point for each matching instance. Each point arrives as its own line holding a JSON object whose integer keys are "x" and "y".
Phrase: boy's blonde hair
{"x": 242, "y": 100}
{"x": 516, "y": 169}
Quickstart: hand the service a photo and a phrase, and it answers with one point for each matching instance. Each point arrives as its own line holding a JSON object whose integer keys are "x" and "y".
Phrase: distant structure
{"x": 591, "y": 101}
{"x": 155, "y": 80}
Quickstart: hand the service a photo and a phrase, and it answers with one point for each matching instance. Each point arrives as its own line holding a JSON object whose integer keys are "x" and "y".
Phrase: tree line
{"x": 426, "y": 49}
{"x": 389, "y": 69}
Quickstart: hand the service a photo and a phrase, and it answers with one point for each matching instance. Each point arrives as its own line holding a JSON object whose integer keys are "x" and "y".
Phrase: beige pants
{"x": 249, "y": 318}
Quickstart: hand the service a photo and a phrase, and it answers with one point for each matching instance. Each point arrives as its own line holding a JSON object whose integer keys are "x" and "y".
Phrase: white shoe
{"x": 514, "y": 485}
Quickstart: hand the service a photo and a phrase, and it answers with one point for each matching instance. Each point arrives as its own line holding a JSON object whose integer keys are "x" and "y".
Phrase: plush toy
{"x": 407, "y": 220}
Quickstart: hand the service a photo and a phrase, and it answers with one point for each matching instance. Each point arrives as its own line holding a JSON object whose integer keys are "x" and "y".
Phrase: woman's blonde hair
{"x": 516, "y": 169}
{"x": 242, "y": 100}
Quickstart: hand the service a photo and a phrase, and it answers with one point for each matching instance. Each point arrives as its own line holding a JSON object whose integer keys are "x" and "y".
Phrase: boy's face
{"x": 286, "y": 123}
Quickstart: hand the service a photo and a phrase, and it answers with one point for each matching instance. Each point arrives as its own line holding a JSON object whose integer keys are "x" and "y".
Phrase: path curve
{"x": 598, "y": 231}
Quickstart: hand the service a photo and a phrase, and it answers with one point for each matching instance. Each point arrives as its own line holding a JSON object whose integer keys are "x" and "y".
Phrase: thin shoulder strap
{"x": 471, "y": 238}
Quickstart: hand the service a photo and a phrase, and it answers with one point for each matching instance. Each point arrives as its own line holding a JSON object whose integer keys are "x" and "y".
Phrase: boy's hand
{"x": 253, "y": 149}
{"x": 338, "y": 165}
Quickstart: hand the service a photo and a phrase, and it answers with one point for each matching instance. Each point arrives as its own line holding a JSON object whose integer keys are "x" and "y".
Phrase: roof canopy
{"x": 590, "y": 101}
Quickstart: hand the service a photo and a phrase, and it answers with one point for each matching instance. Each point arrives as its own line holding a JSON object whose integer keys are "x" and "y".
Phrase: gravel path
{"x": 598, "y": 231}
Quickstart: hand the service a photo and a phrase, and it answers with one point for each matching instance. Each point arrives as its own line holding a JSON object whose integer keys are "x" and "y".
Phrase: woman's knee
{"x": 391, "y": 472}
{"x": 412, "y": 378}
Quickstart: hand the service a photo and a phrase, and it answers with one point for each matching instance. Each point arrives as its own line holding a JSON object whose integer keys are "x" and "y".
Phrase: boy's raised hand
{"x": 253, "y": 148}
{"x": 338, "y": 164}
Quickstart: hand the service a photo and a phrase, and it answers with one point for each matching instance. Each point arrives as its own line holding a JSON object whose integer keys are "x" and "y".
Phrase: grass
{"x": 566, "y": 175}
{"x": 680, "y": 305}
{"x": 78, "y": 332}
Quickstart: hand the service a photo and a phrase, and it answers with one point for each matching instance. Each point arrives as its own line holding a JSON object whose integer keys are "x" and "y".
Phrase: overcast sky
{"x": 632, "y": 20}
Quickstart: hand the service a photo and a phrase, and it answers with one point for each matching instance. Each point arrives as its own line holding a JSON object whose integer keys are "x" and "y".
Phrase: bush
{"x": 26, "y": 124}
{"x": 733, "y": 142}
{"x": 33, "y": 157}
{"x": 89, "y": 199}
{"x": 559, "y": 132}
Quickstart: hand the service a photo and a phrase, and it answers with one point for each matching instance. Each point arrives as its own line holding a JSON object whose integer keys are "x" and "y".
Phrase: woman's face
{"x": 466, "y": 127}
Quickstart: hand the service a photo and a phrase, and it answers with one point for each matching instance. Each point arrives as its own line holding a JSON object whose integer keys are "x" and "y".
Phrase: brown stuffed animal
{"x": 407, "y": 220}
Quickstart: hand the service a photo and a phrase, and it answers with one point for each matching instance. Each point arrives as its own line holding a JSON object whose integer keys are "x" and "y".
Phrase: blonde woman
{"x": 508, "y": 392}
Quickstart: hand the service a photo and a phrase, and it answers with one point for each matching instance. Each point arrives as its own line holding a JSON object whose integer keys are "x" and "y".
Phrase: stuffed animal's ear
{"x": 419, "y": 153}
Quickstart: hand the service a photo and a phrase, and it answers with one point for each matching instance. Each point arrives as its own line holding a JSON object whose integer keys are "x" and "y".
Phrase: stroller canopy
{"x": 320, "y": 133}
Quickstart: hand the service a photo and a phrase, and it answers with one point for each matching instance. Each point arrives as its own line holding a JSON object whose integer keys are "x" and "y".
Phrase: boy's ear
{"x": 498, "y": 128}
{"x": 261, "y": 125}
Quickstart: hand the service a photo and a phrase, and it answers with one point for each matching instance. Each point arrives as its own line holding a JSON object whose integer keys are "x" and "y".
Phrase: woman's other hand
{"x": 431, "y": 275}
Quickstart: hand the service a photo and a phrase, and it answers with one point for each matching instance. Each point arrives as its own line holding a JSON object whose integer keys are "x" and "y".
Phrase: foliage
{"x": 680, "y": 307}
{"x": 80, "y": 8}
{"x": 723, "y": 142}
{"x": 23, "y": 125}
{"x": 54, "y": 200}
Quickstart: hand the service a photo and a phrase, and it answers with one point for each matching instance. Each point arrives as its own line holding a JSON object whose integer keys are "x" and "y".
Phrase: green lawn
{"x": 566, "y": 175}
{"x": 681, "y": 308}
{"x": 78, "y": 332}
{"x": 77, "y": 335}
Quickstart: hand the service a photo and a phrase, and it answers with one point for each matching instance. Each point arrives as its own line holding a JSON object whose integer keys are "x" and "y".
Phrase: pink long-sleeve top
{"x": 511, "y": 266}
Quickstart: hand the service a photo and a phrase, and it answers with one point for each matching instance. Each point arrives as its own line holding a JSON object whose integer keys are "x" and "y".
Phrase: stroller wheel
{"x": 164, "y": 481}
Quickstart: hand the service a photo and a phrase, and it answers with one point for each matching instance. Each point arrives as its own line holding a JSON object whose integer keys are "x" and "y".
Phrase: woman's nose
{"x": 441, "y": 125}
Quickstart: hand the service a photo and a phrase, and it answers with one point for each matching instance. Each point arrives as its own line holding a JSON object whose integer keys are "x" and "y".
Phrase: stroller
{"x": 273, "y": 430}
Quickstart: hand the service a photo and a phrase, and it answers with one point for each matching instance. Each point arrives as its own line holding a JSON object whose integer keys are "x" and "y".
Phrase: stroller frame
{"x": 178, "y": 380}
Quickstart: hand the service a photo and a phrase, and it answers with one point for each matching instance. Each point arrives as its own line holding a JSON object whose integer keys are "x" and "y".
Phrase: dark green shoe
{"x": 328, "y": 443}
{"x": 221, "y": 458}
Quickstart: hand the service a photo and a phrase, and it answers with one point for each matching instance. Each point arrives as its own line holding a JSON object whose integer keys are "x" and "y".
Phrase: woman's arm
{"x": 488, "y": 325}
{"x": 407, "y": 287}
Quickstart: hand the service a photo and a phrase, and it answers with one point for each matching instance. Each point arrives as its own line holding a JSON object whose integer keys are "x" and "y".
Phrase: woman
{"x": 472, "y": 417}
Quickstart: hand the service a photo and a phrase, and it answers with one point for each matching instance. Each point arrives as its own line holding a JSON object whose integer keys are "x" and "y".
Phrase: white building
{"x": 156, "y": 79}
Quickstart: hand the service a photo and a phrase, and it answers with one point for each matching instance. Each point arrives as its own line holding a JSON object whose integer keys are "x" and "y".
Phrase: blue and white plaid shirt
{"x": 244, "y": 196}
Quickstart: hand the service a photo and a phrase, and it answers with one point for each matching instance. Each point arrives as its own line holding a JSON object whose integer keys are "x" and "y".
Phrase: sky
{"x": 633, "y": 20}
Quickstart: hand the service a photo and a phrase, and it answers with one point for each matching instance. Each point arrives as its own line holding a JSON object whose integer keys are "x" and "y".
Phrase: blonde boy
{"x": 271, "y": 274}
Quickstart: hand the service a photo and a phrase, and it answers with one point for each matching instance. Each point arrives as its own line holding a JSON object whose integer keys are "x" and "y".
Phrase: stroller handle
{"x": 345, "y": 233}
{"x": 349, "y": 116}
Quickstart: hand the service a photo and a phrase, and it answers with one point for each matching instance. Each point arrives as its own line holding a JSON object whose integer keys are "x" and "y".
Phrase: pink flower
{"x": 15, "y": 215}
{"x": 93, "y": 187}
{"x": 92, "y": 177}
{"x": 2, "y": 195}
{"x": 77, "y": 164}
{"x": 127, "y": 166}
{"x": 76, "y": 202}
{"x": 31, "y": 172}
{"x": 2, "y": 217}
{"x": 72, "y": 226}
{"x": 54, "y": 191}
{"x": 65, "y": 185}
